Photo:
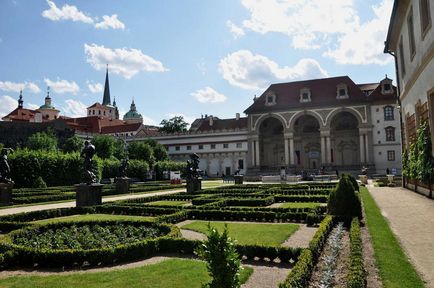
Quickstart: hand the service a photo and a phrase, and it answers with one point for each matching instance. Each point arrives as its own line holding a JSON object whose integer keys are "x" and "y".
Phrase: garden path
{"x": 266, "y": 276}
{"x": 301, "y": 237}
{"x": 15, "y": 210}
{"x": 411, "y": 218}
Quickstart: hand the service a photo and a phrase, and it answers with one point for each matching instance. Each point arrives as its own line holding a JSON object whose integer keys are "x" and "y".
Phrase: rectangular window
{"x": 188, "y": 147}
{"x": 239, "y": 145}
{"x": 225, "y": 145}
{"x": 391, "y": 155}
{"x": 401, "y": 57}
{"x": 390, "y": 134}
{"x": 388, "y": 113}
{"x": 425, "y": 16}
{"x": 177, "y": 148}
{"x": 200, "y": 147}
{"x": 240, "y": 164}
{"x": 410, "y": 27}
{"x": 212, "y": 146}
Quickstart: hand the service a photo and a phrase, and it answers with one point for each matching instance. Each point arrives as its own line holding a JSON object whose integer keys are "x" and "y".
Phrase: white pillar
{"x": 286, "y": 152}
{"x": 362, "y": 149}
{"x": 291, "y": 151}
{"x": 257, "y": 154}
{"x": 328, "y": 149}
{"x": 323, "y": 151}
{"x": 366, "y": 148}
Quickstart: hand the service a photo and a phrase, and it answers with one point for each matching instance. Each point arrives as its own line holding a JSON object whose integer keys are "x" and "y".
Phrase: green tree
{"x": 141, "y": 151}
{"x": 104, "y": 146}
{"x": 120, "y": 151}
{"x": 43, "y": 141}
{"x": 412, "y": 163}
{"x": 73, "y": 144}
{"x": 160, "y": 153}
{"x": 223, "y": 261}
{"x": 173, "y": 125}
{"x": 425, "y": 161}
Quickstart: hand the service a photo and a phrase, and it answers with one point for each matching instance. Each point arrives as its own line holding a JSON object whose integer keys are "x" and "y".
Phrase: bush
{"x": 39, "y": 183}
{"x": 343, "y": 201}
{"x": 357, "y": 275}
{"x": 161, "y": 166}
{"x": 140, "y": 150}
{"x": 104, "y": 145}
{"x": 224, "y": 263}
{"x": 42, "y": 141}
{"x": 73, "y": 144}
{"x": 110, "y": 168}
{"x": 137, "y": 169}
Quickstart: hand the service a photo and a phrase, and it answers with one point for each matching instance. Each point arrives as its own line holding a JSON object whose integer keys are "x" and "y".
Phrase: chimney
{"x": 237, "y": 116}
{"x": 211, "y": 120}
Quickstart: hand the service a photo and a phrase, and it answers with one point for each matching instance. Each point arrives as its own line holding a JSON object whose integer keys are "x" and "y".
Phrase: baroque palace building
{"x": 410, "y": 40}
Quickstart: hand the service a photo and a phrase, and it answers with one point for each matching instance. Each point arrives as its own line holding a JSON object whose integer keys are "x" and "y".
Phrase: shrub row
{"x": 357, "y": 275}
{"x": 301, "y": 272}
{"x": 257, "y": 216}
{"x": 250, "y": 201}
{"x": 301, "y": 198}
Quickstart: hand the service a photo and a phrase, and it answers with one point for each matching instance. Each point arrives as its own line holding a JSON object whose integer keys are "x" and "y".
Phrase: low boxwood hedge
{"x": 357, "y": 274}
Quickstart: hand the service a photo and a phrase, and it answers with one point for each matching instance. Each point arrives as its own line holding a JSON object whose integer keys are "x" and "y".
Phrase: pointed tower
{"x": 106, "y": 99}
{"x": 20, "y": 101}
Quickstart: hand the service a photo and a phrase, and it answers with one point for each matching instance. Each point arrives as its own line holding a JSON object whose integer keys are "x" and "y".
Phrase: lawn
{"x": 395, "y": 269}
{"x": 249, "y": 233}
{"x": 299, "y": 205}
{"x": 95, "y": 217}
{"x": 213, "y": 183}
{"x": 172, "y": 273}
{"x": 168, "y": 203}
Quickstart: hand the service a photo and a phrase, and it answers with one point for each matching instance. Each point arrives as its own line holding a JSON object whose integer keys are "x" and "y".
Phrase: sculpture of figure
{"x": 193, "y": 167}
{"x": 5, "y": 169}
{"x": 123, "y": 167}
{"x": 364, "y": 171}
{"x": 87, "y": 153}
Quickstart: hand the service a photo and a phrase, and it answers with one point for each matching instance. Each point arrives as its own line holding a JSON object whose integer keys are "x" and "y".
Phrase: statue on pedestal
{"x": 87, "y": 153}
{"x": 193, "y": 167}
{"x": 124, "y": 162}
{"x": 5, "y": 169}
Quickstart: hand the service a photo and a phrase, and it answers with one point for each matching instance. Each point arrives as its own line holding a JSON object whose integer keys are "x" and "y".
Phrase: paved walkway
{"x": 411, "y": 217}
{"x": 15, "y": 210}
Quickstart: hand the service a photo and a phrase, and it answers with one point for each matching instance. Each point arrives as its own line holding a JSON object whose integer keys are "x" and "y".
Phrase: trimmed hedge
{"x": 357, "y": 274}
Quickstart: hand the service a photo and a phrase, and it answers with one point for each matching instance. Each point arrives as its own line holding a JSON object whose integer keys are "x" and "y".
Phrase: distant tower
{"x": 106, "y": 99}
{"x": 49, "y": 112}
{"x": 133, "y": 116}
{"x": 20, "y": 100}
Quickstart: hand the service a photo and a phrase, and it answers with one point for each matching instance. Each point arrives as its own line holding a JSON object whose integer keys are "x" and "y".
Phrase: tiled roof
{"x": 221, "y": 124}
{"x": 377, "y": 96}
{"x": 323, "y": 92}
{"x": 21, "y": 114}
{"x": 121, "y": 128}
{"x": 99, "y": 106}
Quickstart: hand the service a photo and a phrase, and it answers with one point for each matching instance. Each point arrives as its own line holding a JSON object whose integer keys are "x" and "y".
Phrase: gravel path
{"x": 301, "y": 237}
{"x": 266, "y": 276}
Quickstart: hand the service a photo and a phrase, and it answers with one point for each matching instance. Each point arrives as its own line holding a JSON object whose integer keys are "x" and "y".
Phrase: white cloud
{"x": 331, "y": 25}
{"x": 149, "y": 121}
{"x": 110, "y": 22}
{"x": 126, "y": 62}
{"x": 74, "y": 108}
{"x": 253, "y": 71}
{"x": 32, "y": 106}
{"x": 67, "y": 12}
{"x": 208, "y": 95}
{"x": 62, "y": 86}
{"x": 8, "y": 105}
{"x": 16, "y": 87}
{"x": 236, "y": 31}
{"x": 95, "y": 87}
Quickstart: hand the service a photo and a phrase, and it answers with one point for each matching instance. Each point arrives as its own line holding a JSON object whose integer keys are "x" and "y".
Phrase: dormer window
{"x": 305, "y": 95}
{"x": 270, "y": 99}
{"x": 386, "y": 86}
{"x": 342, "y": 91}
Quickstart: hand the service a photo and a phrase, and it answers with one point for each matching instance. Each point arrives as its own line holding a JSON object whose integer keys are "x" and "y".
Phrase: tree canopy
{"x": 43, "y": 141}
{"x": 173, "y": 125}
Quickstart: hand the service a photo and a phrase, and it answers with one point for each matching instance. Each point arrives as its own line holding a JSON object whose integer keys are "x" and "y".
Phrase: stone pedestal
{"x": 194, "y": 185}
{"x": 238, "y": 179}
{"x": 88, "y": 195}
{"x": 122, "y": 185}
{"x": 363, "y": 179}
{"x": 6, "y": 193}
{"x": 391, "y": 178}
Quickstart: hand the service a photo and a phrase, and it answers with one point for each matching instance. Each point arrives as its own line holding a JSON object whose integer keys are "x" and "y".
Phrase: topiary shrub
{"x": 343, "y": 201}
{"x": 39, "y": 183}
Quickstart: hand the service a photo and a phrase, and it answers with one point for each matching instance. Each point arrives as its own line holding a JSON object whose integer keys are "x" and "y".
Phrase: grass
{"x": 168, "y": 203}
{"x": 96, "y": 217}
{"x": 249, "y": 233}
{"x": 395, "y": 269}
{"x": 299, "y": 205}
{"x": 213, "y": 183}
{"x": 174, "y": 273}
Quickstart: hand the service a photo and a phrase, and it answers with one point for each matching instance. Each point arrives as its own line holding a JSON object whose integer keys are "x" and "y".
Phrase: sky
{"x": 183, "y": 57}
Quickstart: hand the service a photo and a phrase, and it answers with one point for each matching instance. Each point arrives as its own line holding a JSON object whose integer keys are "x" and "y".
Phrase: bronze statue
{"x": 192, "y": 171}
{"x": 5, "y": 169}
{"x": 123, "y": 168}
{"x": 87, "y": 153}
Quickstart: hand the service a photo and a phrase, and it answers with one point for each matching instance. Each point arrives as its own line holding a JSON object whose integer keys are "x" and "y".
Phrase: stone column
{"x": 286, "y": 152}
{"x": 323, "y": 150}
{"x": 258, "y": 162}
{"x": 291, "y": 151}
{"x": 362, "y": 148}
{"x": 367, "y": 148}
{"x": 328, "y": 149}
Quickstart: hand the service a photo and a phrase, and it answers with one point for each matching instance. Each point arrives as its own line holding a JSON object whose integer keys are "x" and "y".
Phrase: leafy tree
{"x": 412, "y": 163}
{"x": 73, "y": 144}
{"x": 141, "y": 151}
{"x": 120, "y": 151}
{"x": 223, "y": 261}
{"x": 104, "y": 145}
{"x": 425, "y": 160}
{"x": 43, "y": 141}
{"x": 173, "y": 125}
{"x": 160, "y": 153}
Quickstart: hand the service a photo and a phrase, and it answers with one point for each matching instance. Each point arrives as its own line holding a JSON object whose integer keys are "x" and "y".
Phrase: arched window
{"x": 390, "y": 133}
{"x": 388, "y": 113}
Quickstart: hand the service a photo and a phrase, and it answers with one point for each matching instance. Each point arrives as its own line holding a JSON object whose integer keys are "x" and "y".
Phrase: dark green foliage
{"x": 343, "y": 201}
{"x": 73, "y": 144}
{"x": 223, "y": 261}
{"x": 39, "y": 183}
{"x": 405, "y": 164}
{"x": 166, "y": 165}
{"x": 104, "y": 145}
{"x": 353, "y": 181}
{"x": 357, "y": 275}
{"x": 137, "y": 169}
{"x": 412, "y": 161}
{"x": 120, "y": 151}
{"x": 42, "y": 141}
{"x": 160, "y": 153}
{"x": 425, "y": 160}
{"x": 140, "y": 150}
{"x": 173, "y": 125}
{"x": 110, "y": 168}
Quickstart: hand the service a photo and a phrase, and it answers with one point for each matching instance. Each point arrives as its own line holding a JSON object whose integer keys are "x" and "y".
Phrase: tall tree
{"x": 141, "y": 151}
{"x": 43, "y": 141}
{"x": 104, "y": 145}
{"x": 173, "y": 125}
{"x": 160, "y": 152}
{"x": 425, "y": 161}
{"x": 73, "y": 144}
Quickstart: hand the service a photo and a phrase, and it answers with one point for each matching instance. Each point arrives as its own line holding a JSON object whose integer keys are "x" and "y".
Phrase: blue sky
{"x": 187, "y": 57}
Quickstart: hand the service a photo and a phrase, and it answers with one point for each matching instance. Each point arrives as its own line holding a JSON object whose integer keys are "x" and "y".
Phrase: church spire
{"x": 20, "y": 101}
{"x": 106, "y": 100}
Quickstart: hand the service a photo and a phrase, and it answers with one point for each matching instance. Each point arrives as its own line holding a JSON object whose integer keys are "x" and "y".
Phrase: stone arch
{"x": 344, "y": 133}
{"x": 307, "y": 141}
{"x": 299, "y": 114}
{"x": 271, "y": 143}
{"x": 336, "y": 111}
{"x": 264, "y": 117}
